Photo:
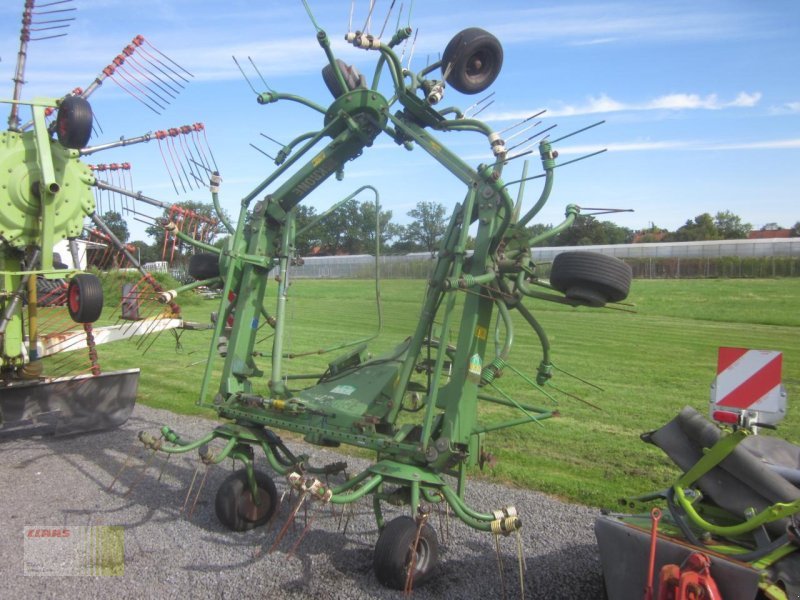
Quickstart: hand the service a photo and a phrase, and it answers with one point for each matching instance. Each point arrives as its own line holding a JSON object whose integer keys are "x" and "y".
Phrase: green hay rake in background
{"x": 415, "y": 406}
{"x": 46, "y": 194}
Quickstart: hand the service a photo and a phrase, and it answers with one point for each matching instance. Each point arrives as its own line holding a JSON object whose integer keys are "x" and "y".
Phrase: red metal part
{"x": 690, "y": 581}
{"x": 655, "y": 515}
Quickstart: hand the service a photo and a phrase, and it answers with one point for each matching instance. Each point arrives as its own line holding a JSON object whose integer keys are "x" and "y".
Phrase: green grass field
{"x": 649, "y": 363}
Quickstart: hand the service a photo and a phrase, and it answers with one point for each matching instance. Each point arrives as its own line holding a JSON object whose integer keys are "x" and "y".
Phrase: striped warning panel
{"x": 748, "y": 379}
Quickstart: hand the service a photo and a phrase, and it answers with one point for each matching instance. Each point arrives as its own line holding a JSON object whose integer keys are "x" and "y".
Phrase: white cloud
{"x": 784, "y": 109}
{"x": 606, "y": 104}
{"x": 696, "y": 145}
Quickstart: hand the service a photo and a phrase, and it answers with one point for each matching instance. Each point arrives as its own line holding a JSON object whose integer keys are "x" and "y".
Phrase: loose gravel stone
{"x": 63, "y": 482}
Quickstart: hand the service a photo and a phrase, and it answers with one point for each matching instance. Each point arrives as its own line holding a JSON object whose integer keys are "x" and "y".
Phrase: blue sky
{"x": 701, "y": 98}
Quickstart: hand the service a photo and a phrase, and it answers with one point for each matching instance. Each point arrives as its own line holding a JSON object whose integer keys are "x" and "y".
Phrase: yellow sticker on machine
{"x": 318, "y": 159}
{"x": 481, "y": 332}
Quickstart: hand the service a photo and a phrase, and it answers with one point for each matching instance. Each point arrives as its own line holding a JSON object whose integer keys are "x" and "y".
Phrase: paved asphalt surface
{"x": 48, "y": 482}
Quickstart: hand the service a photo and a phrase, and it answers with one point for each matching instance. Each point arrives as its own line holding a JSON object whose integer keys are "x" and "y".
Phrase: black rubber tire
{"x": 74, "y": 122}
{"x": 591, "y": 278}
{"x": 204, "y": 265}
{"x": 392, "y": 557}
{"x": 352, "y": 78}
{"x": 474, "y": 58}
{"x": 85, "y": 298}
{"x": 234, "y": 502}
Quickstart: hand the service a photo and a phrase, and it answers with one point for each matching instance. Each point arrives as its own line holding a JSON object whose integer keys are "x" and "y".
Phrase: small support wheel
{"x": 590, "y": 278}
{"x": 234, "y": 503}
{"x": 85, "y": 298}
{"x": 352, "y": 78}
{"x": 472, "y": 60}
{"x": 394, "y": 553}
{"x": 203, "y": 265}
{"x": 74, "y": 122}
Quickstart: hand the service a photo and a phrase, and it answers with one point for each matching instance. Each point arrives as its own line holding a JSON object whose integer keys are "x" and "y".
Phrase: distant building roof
{"x": 769, "y": 233}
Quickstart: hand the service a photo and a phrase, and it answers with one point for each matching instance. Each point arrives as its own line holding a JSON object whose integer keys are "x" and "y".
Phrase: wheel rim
{"x": 251, "y": 511}
{"x": 422, "y": 558}
{"x": 74, "y": 299}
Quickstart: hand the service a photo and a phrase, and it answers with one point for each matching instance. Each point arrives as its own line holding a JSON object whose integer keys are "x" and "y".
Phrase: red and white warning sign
{"x": 749, "y": 380}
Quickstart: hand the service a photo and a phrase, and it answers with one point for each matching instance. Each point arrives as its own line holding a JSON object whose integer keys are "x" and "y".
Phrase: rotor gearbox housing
{"x": 20, "y": 201}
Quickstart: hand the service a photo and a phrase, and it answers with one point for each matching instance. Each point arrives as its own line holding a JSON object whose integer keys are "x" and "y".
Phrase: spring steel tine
{"x": 289, "y": 521}
{"x": 535, "y": 135}
{"x": 262, "y": 152}
{"x": 155, "y": 77}
{"x": 525, "y": 120}
{"x": 216, "y": 168}
{"x": 500, "y": 569}
{"x": 302, "y": 535}
{"x": 168, "y": 144}
{"x": 191, "y": 487}
{"x": 158, "y": 64}
{"x": 260, "y": 76}
{"x": 195, "y": 137}
{"x": 386, "y": 20}
{"x": 56, "y": 2}
{"x": 174, "y": 154}
{"x": 133, "y": 95}
{"x": 411, "y": 52}
{"x": 126, "y": 69}
{"x": 145, "y": 81}
{"x": 403, "y": 51}
{"x": 121, "y": 469}
{"x": 576, "y": 132}
{"x": 271, "y": 139}
{"x": 141, "y": 68}
{"x": 478, "y": 103}
{"x": 189, "y": 159}
{"x": 199, "y": 489}
{"x": 202, "y": 166}
{"x": 368, "y": 22}
{"x": 140, "y": 476}
{"x": 128, "y": 78}
{"x": 411, "y": 567}
{"x": 351, "y": 512}
{"x": 186, "y": 132}
{"x": 350, "y": 19}
{"x": 521, "y": 131}
{"x": 163, "y": 466}
{"x": 521, "y": 560}
{"x": 164, "y": 158}
{"x": 245, "y": 76}
{"x": 167, "y": 58}
{"x": 483, "y": 108}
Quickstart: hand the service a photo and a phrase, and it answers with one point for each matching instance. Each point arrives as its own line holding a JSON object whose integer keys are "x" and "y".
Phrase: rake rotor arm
{"x": 271, "y": 97}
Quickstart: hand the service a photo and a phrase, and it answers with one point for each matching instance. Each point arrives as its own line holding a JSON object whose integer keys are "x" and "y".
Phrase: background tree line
{"x": 350, "y": 229}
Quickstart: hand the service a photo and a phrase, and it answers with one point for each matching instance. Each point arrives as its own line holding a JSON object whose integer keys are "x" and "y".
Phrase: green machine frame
{"x": 358, "y": 400}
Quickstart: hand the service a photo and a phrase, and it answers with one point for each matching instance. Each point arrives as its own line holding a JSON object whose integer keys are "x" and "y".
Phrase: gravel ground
{"x": 63, "y": 482}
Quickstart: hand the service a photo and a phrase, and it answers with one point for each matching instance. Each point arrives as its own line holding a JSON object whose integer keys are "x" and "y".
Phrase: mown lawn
{"x": 649, "y": 362}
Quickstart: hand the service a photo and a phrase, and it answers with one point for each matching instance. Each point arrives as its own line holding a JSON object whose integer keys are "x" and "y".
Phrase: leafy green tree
{"x": 538, "y": 229}
{"x": 730, "y": 226}
{"x": 795, "y": 231}
{"x": 146, "y": 253}
{"x": 701, "y": 228}
{"x": 587, "y": 231}
{"x": 426, "y": 229}
{"x": 117, "y": 225}
{"x": 308, "y": 240}
{"x": 350, "y": 229}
